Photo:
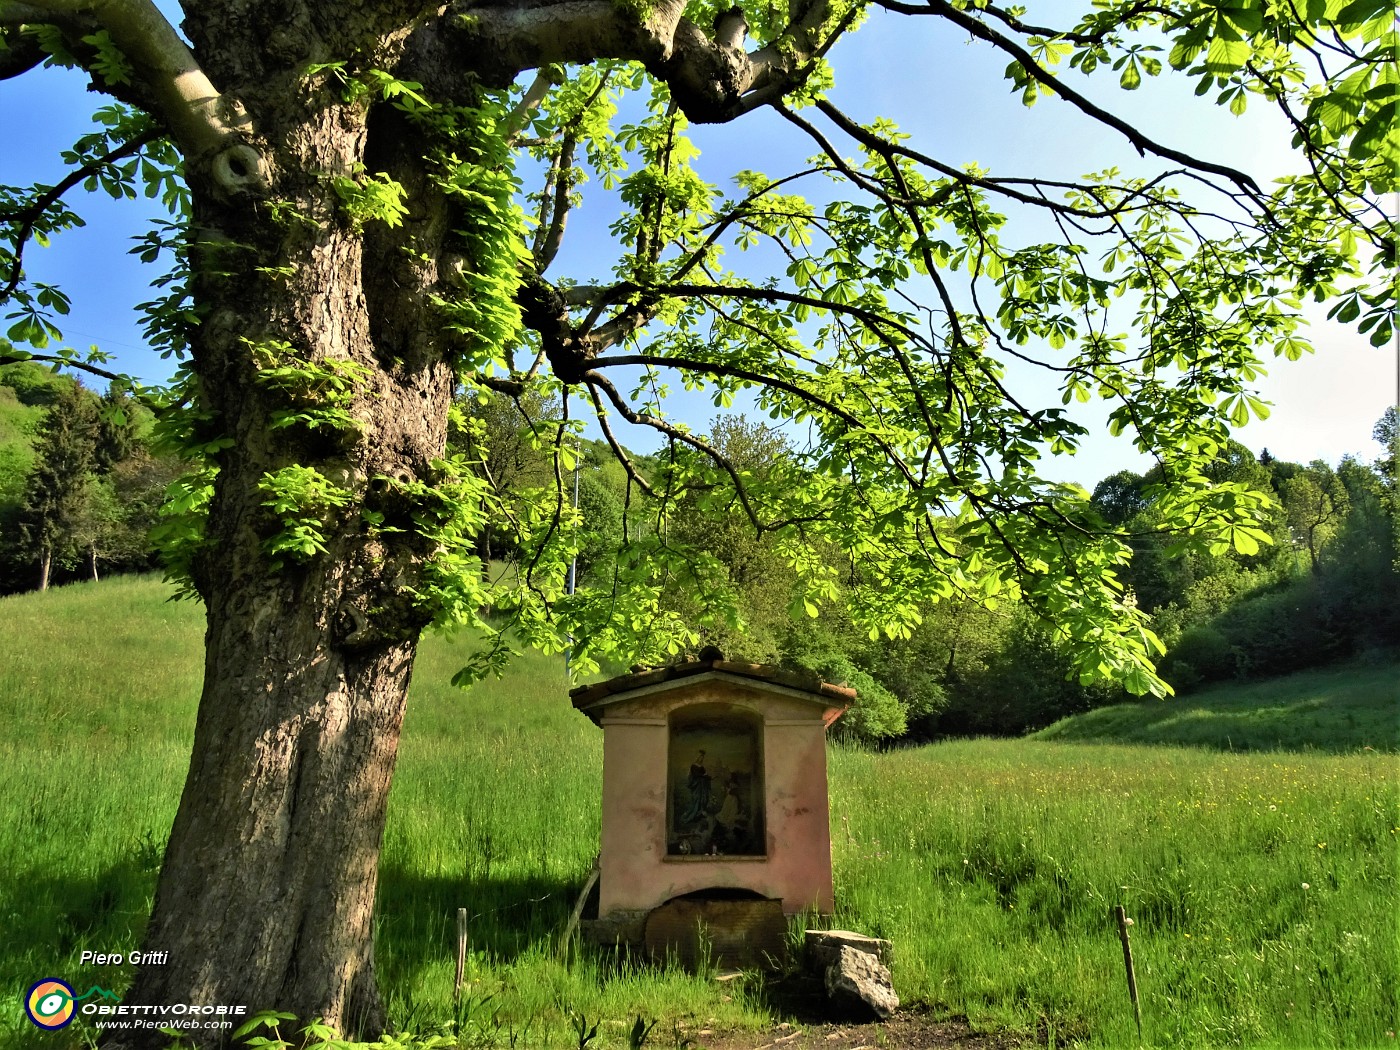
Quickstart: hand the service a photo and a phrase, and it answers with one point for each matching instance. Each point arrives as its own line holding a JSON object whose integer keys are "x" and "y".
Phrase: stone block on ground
{"x": 857, "y": 982}
{"x": 823, "y": 946}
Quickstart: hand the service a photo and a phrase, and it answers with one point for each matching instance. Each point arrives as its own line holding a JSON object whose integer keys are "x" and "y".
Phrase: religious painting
{"x": 715, "y": 782}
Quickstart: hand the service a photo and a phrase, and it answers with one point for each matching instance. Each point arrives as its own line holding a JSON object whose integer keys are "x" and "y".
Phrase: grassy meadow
{"x": 1344, "y": 709}
{"x": 1262, "y": 885}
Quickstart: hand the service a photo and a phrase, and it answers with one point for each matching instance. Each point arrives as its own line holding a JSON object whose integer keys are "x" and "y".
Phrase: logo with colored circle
{"x": 49, "y": 1004}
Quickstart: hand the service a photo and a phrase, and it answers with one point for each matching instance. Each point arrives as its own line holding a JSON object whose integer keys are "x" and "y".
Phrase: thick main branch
{"x": 711, "y": 77}
{"x": 209, "y": 128}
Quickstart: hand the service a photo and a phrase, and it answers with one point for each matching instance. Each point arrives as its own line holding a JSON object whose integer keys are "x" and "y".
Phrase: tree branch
{"x": 29, "y": 216}
{"x": 711, "y": 77}
{"x": 208, "y": 127}
{"x": 19, "y": 52}
{"x": 758, "y": 379}
{"x": 979, "y": 29}
{"x": 619, "y": 453}
{"x": 519, "y": 116}
{"x": 639, "y": 313}
{"x": 661, "y": 426}
{"x": 551, "y": 237}
{"x": 1005, "y": 187}
{"x": 80, "y": 365}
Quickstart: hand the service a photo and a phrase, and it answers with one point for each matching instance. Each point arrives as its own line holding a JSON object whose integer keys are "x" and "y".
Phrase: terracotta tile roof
{"x": 587, "y": 696}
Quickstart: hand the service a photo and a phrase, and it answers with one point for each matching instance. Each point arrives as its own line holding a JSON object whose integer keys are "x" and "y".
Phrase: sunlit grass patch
{"x": 995, "y": 863}
{"x": 1335, "y": 709}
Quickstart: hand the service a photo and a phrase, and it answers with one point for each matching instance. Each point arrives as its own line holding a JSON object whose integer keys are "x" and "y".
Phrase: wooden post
{"x": 578, "y": 905}
{"x": 1123, "y": 923}
{"x": 461, "y": 959}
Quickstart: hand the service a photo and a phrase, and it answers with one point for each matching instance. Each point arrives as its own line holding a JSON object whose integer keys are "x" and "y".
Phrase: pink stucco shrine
{"x": 714, "y": 790}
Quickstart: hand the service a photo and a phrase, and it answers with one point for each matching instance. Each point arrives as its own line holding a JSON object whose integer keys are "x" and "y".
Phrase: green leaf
{"x": 30, "y": 329}
{"x": 1336, "y": 111}
{"x": 1246, "y": 20}
{"x": 1247, "y": 540}
{"x": 1359, "y": 12}
{"x": 1226, "y": 56}
{"x": 1376, "y": 134}
{"x": 1239, "y": 411}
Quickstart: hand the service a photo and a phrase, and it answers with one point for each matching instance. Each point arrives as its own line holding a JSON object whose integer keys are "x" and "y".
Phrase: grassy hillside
{"x": 1338, "y": 709}
{"x": 1263, "y": 886}
{"x": 17, "y": 425}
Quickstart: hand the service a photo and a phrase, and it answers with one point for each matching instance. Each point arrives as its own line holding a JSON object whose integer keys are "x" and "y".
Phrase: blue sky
{"x": 945, "y": 90}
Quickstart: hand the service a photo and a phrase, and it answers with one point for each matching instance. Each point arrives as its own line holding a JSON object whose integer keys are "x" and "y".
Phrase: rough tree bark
{"x": 307, "y": 666}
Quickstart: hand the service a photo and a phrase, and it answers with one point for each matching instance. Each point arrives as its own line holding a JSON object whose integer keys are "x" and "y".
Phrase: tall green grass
{"x": 98, "y": 688}
{"x": 1263, "y": 886}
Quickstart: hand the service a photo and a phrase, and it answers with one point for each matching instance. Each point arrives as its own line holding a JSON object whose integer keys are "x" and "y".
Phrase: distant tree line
{"x": 80, "y": 484}
{"x": 1321, "y": 591}
{"x": 82, "y": 480}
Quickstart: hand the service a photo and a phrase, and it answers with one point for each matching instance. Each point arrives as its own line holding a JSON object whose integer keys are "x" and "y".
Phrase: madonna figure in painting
{"x": 698, "y": 784}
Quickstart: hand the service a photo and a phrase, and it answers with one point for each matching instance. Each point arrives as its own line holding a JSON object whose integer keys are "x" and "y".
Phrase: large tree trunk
{"x": 45, "y": 566}
{"x": 265, "y": 896}
{"x": 293, "y": 756}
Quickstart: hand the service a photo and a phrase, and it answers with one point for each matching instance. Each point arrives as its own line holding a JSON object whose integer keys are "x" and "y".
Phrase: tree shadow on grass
{"x": 506, "y": 916}
{"x": 51, "y": 919}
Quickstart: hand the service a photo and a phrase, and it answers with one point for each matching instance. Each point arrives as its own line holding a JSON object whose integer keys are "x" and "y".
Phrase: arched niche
{"x": 715, "y": 798}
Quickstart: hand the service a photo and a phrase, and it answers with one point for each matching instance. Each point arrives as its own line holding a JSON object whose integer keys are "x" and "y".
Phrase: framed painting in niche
{"x": 715, "y": 783}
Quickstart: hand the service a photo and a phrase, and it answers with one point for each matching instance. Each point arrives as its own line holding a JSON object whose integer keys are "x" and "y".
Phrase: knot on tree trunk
{"x": 352, "y": 626}
{"x": 380, "y": 602}
{"x": 239, "y": 170}
{"x": 399, "y": 618}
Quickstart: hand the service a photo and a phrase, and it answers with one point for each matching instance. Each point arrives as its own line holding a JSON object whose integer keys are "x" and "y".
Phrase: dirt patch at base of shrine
{"x": 804, "y": 1021}
{"x": 906, "y": 1030}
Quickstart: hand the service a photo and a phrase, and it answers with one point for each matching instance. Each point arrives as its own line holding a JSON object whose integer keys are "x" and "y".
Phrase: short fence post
{"x": 1123, "y": 923}
{"x": 461, "y": 959}
{"x": 577, "y": 914}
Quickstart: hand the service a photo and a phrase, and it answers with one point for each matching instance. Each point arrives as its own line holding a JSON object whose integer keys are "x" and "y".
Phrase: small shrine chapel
{"x": 715, "y": 811}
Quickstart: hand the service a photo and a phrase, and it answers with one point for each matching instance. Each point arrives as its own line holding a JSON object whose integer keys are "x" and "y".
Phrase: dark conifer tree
{"x": 57, "y": 492}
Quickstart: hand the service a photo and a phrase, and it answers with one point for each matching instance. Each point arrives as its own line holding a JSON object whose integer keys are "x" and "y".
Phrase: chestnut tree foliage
{"x": 368, "y": 205}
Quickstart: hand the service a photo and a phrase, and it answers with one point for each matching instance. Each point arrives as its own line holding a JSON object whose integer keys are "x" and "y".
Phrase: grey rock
{"x": 821, "y": 947}
{"x": 857, "y": 981}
